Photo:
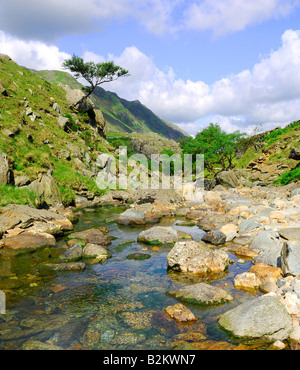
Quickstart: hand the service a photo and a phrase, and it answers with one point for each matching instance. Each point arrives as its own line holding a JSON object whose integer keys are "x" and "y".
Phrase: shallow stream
{"x": 118, "y": 304}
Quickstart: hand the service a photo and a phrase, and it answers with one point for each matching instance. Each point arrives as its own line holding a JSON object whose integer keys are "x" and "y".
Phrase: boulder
{"x": 202, "y": 294}
{"x": 290, "y": 258}
{"x": 22, "y": 181}
{"x": 214, "y": 237}
{"x": 290, "y": 233}
{"x": 95, "y": 251}
{"x": 268, "y": 247}
{"x": 247, "y": 281}
{"x": 131, "y": 217}
{"x": 295, "y": 154}
{"x": 158, "y": 235}
{"x": 73, "y": 254}
{"x": 91, "y": 236}
{"x": 264, "y": 319}
{"x": 194, "y": 257}
{"x": 29, "y": 241}
{"x": 228, "y": 179}
{"x": 47, "y": 190}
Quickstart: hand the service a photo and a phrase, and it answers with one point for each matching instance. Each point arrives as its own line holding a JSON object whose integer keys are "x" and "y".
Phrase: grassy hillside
{"x": 120, "y": 114}
{"x": 34, "y": 142}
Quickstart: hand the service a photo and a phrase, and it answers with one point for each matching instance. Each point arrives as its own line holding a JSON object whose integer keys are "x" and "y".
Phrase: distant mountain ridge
{"x": 121, "y": 115}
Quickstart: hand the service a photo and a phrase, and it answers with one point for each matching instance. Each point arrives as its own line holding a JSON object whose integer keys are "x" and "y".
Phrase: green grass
{"x": 289, "y": 176}
{"x": 11, "y": 195}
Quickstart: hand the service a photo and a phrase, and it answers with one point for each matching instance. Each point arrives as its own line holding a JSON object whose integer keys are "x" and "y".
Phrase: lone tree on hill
{"x": 94, "y": 73}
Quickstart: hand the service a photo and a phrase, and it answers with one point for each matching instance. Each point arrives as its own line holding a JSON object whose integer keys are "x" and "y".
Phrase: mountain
{"x": 122, "y": 116}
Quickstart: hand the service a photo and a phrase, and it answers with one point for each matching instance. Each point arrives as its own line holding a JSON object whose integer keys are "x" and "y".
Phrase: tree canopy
{"x": 217, "y": 146}
{"x": 94, "y": 73}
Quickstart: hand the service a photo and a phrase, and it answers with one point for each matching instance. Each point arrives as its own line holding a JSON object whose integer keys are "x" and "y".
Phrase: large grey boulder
{"x": 158, "y": 235}
{"x": 290, "y": 258}
{"x": 228, "y": 179}
{"x": 197, "y": 258}
{"x": 5, "y": 173}
{"x": 47, "y": 190}
{"x": 265, "y": 319}
{"x": 269, "y": 248}
{"x": 202, "y": 294}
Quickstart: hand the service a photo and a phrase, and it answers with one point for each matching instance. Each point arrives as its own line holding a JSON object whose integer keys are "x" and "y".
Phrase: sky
{"x": 192, "y": 62}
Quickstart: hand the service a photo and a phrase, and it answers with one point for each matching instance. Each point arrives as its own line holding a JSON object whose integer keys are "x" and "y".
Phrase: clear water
{"x": 118, "y": 304}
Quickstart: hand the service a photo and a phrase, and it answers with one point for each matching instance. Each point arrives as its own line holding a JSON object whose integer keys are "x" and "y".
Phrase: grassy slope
{"x": 276, "y": 147}
{"x": 31, "y": 158}
{"x": 120, "y": 114}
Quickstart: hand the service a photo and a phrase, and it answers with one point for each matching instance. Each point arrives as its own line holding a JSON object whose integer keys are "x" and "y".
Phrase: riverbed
{"x": 115, "y": 305}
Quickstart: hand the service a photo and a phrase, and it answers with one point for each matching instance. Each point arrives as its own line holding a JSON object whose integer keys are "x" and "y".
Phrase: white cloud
{"x": 269, "y": 93}
{"x": 32, "y": 54}
{"x": 53, "y": 19}
{"x": 234, "y": 15}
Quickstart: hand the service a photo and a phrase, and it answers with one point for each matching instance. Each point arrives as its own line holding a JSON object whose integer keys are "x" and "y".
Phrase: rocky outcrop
{"x": 25, "y": 217}
{"x": 77, "y": 101}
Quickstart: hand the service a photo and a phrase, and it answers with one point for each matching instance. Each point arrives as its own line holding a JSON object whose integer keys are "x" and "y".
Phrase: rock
{"x": 180, "y": 313}
{"x": 295, "y": 192}
{"x": 227, "y": 179}
{"x": 228, "y": 229}
{"x": 73, "y": 254}
{"x": 22, "y": 181}
{"x": 264, "y": 319}
{"x": 290, "y": 258}
{"x": 6, "y": 176}
{"x": 202, "y": 294}
{"x": 295, "y": 154}
{"x": 215, "y": 237}
{"x": 243, "y": 252}
{"x": 290, "y": 233}
{"x": 99, "y": 122}
{"x": 138, "y": 256}
{"x": 268, "y": 247}
{"x": 23, "y": 217}
{"x": 248, "y": 225}
{"x": 74, "y": 98}
{"x": 131, "y": 217}
{"x": 158, "y": 235}
{"x": 95, "y": 251}
{"x": 91, "y": 236}
{"x": 63, "y": 122}
{"x": 295, "y": 336}
{"x": 267, "y": 287}
{"x": 7, "y": 58}
{"x": 212, "y": 197}
{"x": 195, "y": 215}
{"x": 266, "y": 273}
{"x": 57, "y": 108}
{"x": 29, "y": 241}
{"x": 47, "y": 190}
{"x": 247, "y": 281}
{"x": 197, "y": 258}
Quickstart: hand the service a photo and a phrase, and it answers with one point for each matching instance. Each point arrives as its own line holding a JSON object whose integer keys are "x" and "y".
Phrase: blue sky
{"x": 232, "y": 62}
